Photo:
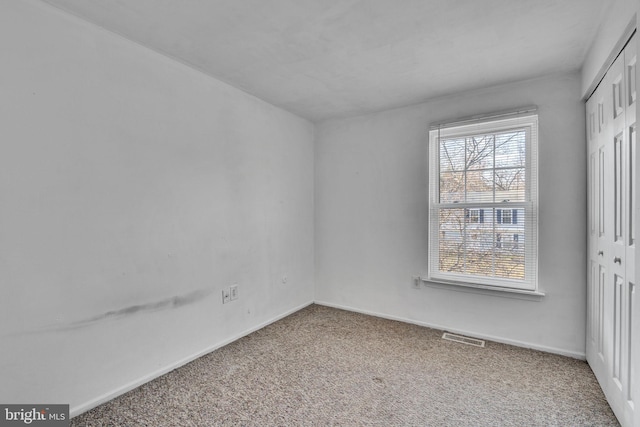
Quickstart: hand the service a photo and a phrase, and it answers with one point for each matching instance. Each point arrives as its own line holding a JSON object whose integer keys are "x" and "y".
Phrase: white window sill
{"x": 523, "y": 294}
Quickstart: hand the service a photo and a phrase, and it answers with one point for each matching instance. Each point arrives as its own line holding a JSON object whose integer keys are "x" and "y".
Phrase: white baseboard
{"x": 77, "y": 410}
{"x": 474, "y": 334}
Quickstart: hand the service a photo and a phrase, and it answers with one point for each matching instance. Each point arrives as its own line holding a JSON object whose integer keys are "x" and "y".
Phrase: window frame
{"x": 527, "y": 121}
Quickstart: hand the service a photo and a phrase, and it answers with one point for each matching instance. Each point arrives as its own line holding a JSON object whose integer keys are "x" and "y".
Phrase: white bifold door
{"x": 613, "y": 348}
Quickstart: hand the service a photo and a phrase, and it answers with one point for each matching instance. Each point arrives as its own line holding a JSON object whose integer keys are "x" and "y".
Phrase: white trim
{"x": 75, "y": 411}
{"x": 573, "y": 354}
{"x": 617, "y": 48}
{"x": 505, "y": 292}
{"x": 486, "y": 205}
{"x": 505, "y": 115}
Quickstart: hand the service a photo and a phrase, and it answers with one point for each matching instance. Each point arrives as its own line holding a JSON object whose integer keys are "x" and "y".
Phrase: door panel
{"x": 630, "y": 318}
{"x": 599, "y": 244}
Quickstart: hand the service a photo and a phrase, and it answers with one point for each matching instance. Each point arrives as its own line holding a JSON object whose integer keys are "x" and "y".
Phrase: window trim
{"x": 527, "y": 119}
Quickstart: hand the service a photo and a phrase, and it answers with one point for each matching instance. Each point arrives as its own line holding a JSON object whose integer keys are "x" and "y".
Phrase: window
{"x": 483, "y": 202}
{"x": 507, "y": 216}
{"x": 475, "y": 216}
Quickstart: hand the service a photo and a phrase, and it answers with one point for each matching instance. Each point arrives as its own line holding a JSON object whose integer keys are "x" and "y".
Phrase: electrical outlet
{"x": 417, "y": 281}
{"x": 226, "y": 296}
{"x": 233, "y": 291}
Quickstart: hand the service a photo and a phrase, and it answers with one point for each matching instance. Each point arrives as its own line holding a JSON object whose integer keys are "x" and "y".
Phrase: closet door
{"x": 630, "y": 297}
{"x": 600, "y": 229}
{"x": 612, "y": 294}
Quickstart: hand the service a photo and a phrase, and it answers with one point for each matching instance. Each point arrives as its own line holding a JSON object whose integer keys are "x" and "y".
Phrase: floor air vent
{"x": 463, "y": 340}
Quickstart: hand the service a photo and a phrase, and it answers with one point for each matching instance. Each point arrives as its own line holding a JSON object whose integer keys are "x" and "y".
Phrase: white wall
{"x": 132, "y": 190}
{"x": 371, "y": 218}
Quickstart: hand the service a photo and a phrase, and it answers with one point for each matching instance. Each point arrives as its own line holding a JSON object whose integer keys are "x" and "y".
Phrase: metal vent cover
{"x": 463, "y": 340}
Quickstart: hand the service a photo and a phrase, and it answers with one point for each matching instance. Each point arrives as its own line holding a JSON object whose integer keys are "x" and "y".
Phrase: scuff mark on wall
{"x": 169, "y": 303}
{"x": 164, "y": 304}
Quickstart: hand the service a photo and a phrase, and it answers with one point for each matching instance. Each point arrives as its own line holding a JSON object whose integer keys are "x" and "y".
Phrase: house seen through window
{"x": 483, "y": 198}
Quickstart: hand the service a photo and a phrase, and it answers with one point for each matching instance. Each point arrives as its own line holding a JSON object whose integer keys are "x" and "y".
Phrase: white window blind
{"x": 483, "y": 201}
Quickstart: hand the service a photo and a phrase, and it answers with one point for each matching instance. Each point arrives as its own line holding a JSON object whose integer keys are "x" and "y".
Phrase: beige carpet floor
{"x": 327, "y": 367}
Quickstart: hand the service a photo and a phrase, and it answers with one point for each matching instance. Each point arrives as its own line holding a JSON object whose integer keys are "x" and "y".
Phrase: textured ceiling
{"x": 330, "y": 58}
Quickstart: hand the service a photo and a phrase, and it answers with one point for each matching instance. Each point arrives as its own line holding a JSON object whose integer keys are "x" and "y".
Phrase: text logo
{"x": 34, "y": 415}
